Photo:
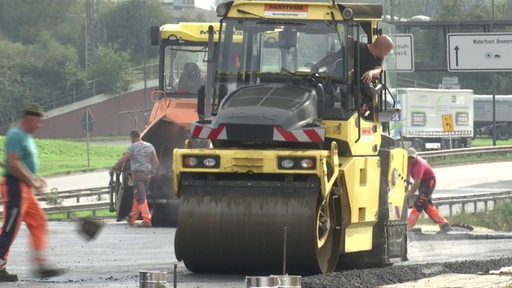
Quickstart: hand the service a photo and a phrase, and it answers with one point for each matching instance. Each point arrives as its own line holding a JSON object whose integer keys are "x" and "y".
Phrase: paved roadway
{"x": 473, "y": 179}
{"x": 116, "y": 257}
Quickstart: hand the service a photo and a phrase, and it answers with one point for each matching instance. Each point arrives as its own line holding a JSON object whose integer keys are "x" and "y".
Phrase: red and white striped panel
{"x": 316, "y": 134}
{"x": 299, "y": 135}
{"x": 203, "y": 132}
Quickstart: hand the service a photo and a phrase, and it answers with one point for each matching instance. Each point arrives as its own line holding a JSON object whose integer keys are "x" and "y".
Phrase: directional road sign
{"x": 471, "y": 52}
{"x": 403, "y": 53}
{"x": 87, "y": 121}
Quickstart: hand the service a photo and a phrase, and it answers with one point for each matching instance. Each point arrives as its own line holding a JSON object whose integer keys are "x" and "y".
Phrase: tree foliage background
{"x": 42, "y": 46}
{"x": 42, "y": 50}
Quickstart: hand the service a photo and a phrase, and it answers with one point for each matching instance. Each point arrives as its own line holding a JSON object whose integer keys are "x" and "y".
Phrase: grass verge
{"x": 62, "y": 157}
{"x": 499, "y": 218}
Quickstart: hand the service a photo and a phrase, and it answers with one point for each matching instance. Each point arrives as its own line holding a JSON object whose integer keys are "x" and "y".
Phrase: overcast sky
{"x": 205, "y": 4}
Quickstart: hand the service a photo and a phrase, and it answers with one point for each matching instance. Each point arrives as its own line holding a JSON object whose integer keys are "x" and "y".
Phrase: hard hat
{"x": 411, "y": 152}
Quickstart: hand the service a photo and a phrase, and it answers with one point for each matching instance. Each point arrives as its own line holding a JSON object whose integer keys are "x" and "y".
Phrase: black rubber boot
{"x": 45, "y": 271}
{"x": 7, "y": 277}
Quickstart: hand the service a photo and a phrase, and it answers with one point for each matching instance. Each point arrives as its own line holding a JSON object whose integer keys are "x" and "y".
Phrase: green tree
{"x": 127, "y": 25}
{"x": 23, "y": 20}
{"x": 11, "y": 52}
{"x": 52, "y": 71}
{"x": 13, "y": 95}
{"x": 474, "y": 10}
{"x": 42, "y": 49}
{"x": 108, "y": 70}
{"x": 403, "y": 8}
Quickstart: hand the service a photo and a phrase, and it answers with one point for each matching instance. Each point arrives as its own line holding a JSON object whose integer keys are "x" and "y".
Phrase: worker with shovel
{"x": 17, "y": 189}
{"x": 143, "y": 164}
{"x": 424, "y": 182}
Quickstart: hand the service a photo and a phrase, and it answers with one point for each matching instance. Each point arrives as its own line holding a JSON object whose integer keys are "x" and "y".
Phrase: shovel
{"x": 88, "y": 227}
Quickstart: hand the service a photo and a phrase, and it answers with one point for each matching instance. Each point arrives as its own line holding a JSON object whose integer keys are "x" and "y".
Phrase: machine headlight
{"x": 287, "y": 163}
{"x": 298, "y": 163}
{"x": 172, "y": 37}
{"x": 307, "y": 163}
{"x": 209, "y": 162}
{"x": 190, "y": 161}
{"x": 201, "y": 161}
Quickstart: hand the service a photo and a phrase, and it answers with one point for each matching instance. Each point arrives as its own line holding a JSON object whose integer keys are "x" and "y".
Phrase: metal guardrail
{"x": 99, "y": 204}
{"x": 49, "y": 199}
{"x": 70, "y": 210}
{"x": 451, "y": 202}
{"x": 473, "y": 200}
{"x": 79, "y": 193}
{"x": 505, "y": 149}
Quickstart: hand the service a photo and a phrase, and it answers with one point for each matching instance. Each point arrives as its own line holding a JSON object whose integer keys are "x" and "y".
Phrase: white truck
{"x": 483, "y": 116}
{"x": 433, "y": 119}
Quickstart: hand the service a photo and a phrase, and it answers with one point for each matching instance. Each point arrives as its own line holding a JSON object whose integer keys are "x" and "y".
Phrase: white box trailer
{"x": 484, "y": 115}
{"x": 433, "y": 119}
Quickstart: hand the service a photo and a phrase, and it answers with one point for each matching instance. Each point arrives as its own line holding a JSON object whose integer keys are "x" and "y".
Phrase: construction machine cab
{"x": 265, "y": 66}
{"x": 191, "y": 77}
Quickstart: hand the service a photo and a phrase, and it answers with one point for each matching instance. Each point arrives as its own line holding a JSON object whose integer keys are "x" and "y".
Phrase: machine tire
{"x": 215, "y": 236}
{"x": 466, "y": 142}
{"x": 162, "y": 202}
{"x": 165, "y": 214}
{"x": 503, "y": 133}
{"x": 124, "y": 199}
{"x": 328, "y": 252}
{"x": 445, "y": 144}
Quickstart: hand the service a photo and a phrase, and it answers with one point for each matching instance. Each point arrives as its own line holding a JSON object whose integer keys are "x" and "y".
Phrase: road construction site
{"x": 119, "y": 253}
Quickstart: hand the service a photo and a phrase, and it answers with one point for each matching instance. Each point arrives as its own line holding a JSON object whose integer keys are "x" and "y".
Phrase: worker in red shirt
{"x": 424, "y": 181}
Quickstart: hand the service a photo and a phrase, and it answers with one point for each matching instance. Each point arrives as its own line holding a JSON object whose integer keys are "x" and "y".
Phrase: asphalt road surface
{"x": 113, "y": 259}
{"x": 119, "y": 253}
{"x": 117, "y": 256}
{"x": 473, "y": 179}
